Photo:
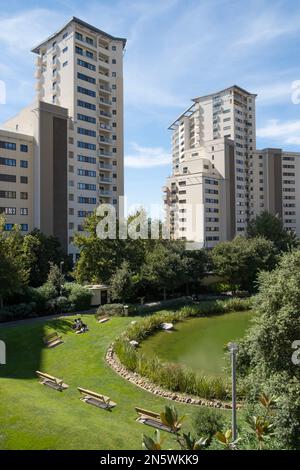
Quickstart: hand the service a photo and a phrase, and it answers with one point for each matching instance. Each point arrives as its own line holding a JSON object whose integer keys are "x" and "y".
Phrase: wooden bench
{"x": 153, "y": 419}
{"x": 96, "y": 399}
{"x": 103, "y": 319}
{"x": 52, "y": 340}
{"x": 51, "y": 381}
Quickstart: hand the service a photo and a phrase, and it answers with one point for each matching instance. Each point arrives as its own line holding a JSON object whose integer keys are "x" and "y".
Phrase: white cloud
{"x": 286, "y": 132}
{"x": 275, "y": 93}
{"x": 23, "y": 31}
{"x": 269, "y": 25}
{"x": 147, "y": 157}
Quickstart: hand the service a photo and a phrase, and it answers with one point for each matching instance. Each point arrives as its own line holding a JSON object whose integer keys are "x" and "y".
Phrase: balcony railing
{"x": 103, "y": 192}
{"x": 105, "y": 127}
{"x": 105, "y": 166}
{"x": 104, "y": 153}
{"x": 105, "y": 88}
{"x": 105, "y": 140}
{"x": 106, "y": 180}
{"x": 105, "y": 114}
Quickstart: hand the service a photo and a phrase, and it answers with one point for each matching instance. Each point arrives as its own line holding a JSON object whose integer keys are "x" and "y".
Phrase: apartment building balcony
{"x": 104, "y": 61}
{"x": 105, "y": 193}
{"x": 105, "y": 114}
{"x": 104, "y": 127}
{"x": 103, "y": 44}
{"x": 103, "y": 74}
{"x": 105, "y": 88}
{"x": 105, "y": 101}
{"x": 104, "y": 153}
{"x": 105, "y": 140}
{"x": 105, "y": 166}
{"x": 105, "y": 179}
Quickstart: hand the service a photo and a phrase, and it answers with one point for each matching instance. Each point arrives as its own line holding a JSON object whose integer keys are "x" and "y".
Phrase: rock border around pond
{"x": 113, "y": 361}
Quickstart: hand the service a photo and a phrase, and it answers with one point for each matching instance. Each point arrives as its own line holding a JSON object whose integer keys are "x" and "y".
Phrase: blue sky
{"x": 177, "y": 50}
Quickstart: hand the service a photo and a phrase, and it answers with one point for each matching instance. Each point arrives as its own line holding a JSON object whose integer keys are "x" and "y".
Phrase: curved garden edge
{"x": 144, "y": 383}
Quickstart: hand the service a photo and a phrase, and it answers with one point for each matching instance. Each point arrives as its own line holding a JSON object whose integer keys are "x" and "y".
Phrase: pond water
{"x": 198, "y": 343}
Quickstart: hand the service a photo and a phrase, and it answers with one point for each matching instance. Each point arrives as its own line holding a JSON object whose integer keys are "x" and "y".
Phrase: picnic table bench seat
{"x": 96, "y": 399}
{"x": 52, "y": 340}
{"x": 153, "y": 419}
{"x": 50, "y": 381}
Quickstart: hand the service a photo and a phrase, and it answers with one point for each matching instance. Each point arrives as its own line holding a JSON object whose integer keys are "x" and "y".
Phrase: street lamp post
{"x": 233, "y": 348}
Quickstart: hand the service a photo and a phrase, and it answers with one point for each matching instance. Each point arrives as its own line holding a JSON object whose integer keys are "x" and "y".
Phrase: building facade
{"x": 216, "y": 177}
{"x": 79, "y": 70}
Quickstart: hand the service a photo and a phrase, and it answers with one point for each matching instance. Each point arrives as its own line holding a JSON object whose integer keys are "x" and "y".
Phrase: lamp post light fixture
{"x": 233, "y": 348}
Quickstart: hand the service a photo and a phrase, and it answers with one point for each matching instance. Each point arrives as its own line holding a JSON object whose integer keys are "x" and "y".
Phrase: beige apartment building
{"x": 80, "y": 145}
{"x": 216, "y": 181}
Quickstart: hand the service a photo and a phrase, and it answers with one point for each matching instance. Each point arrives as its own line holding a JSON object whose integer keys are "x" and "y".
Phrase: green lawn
{"x": 33, "y": 416}
{"x": 198, "y": 343}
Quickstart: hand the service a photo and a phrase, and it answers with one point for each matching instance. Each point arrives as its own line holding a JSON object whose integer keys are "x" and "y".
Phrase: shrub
{"x": 207, "y": 422}
{"x": 78, "y": 296}
{"x": 114, "y": 310}
{"x": 18, "y": 312}
{"x": 46, "y": 292}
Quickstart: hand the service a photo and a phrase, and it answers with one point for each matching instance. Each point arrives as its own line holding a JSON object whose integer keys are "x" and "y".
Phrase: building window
{"x": 78, "y": 36}
{"x": 8, "y": 178}
{"x": 84, "y": 104}
{"x": 8, "y": 161}
{"x": 65, "y": 50}
{"x": 7, "y": 145}
{"x": 8, "y": 210}
{"x": 65, "y": 35}
{"x": 23, "y": 211}
{"x": 24, "y": 179}
{"x": 65, "y": 63}
{"x": 90, "y": 55}
{"x": 85, "y": 91}
{"x": 83, "y": 158}
{"x": 83, "y": 131}
{"x": 86, "y": 145}
{"x": 113, "y": 61}
{"x": 8, "y": 194}
{"x": 113, "y": 48}
{"x": 23, "y": 195}
{"x": 23, "y": 148}
{"x": 89, "y": 40}
{"x": 86, "y": 78}
{"x": 24, "y": 227}
{"x": 83, "y": 117}
{"x": 86, "y": 65}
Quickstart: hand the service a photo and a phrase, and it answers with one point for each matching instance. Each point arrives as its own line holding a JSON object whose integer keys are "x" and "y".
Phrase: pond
{"x": 198, "y": 343}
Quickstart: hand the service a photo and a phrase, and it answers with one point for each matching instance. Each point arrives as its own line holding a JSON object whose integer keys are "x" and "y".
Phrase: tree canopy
{"x": 239, "y": 261}
{"x": 271, "y": 227}
{"x": 265, "y": 357}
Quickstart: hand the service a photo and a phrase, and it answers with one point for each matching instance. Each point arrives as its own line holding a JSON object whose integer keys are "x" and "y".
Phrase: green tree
{"x": 239, "y": 261}
{"x": 38, "y": 251}
{"x": 164, "y": 268}
{"x": 271, "y": 227}
{"x": 121, "y": 283}
{"x": 265, "y": 355}
{"x": 56, "y": 278}
{"x": 13, "y": 275}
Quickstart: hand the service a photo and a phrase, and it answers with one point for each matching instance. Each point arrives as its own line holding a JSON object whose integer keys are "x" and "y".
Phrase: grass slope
{"x": 33, "y": 416}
